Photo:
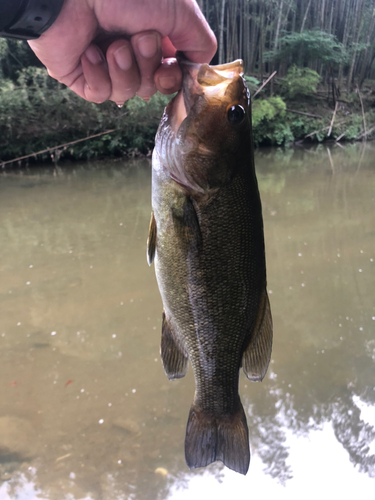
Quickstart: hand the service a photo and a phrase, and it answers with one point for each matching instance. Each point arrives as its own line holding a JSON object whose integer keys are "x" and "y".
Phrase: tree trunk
{"x": 357, "y": 26}
{"x": 276, "y": 42}
{"x": 305, "y": 16}
{"x": 221, "y": 33}
{"x": 261, "y": 40}
{"x": 240, "y": 37}
{"x": 276, "y": 39}
{"x": 254, "y": 41}
{"x": 344, "y": 42}
{"x": 322, "y": 15}
{"x": 233, "y": 43}
{"x": 362, "y": 73}
{"x": 246, "y": 34}
{"x": 227, "y": 37}
{"x": 329, "y": 31}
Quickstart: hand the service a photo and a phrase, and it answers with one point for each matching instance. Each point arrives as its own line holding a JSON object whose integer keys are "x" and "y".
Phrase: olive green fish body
{"x": 206, "y": 239}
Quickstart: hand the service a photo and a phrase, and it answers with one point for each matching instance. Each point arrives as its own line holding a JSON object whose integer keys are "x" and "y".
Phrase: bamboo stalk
{"x": 221, "y": 33}
{"x": 265, "y": 83}
{"x": 2, "y": 163}
{"x": 333, "y": 119}
{"x": 321, "y": 130}
{"x": 340, "y": 136}
{"x": 305, "y": 16}
{"x": 366, "y": 133}
{"x": 302, "y": 113}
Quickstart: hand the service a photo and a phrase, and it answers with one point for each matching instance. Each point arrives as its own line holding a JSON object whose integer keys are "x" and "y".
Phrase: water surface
{"x": 85, "y": 408}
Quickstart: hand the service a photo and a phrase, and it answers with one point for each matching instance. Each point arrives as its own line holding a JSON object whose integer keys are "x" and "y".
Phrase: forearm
{"x": 27, "y": 19}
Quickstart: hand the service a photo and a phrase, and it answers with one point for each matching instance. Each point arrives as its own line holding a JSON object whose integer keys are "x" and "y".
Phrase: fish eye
{"x": 236, "y": 114}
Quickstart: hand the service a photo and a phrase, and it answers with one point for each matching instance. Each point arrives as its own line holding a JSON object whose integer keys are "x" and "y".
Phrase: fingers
{"x": 96, "y": 84}
{"x": 129, "y": 67}
{"x": 148, "y": 53}
{"x": 90, "y": 78}
{"x": 123, "y": 71}
{"x": 168, "y": 77}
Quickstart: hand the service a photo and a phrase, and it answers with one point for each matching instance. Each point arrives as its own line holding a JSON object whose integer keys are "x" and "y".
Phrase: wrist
{"x": 32, "y": 19}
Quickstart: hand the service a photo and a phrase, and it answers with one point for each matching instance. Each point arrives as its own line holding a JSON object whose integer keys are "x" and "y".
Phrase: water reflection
{"x": 85, "y": 408}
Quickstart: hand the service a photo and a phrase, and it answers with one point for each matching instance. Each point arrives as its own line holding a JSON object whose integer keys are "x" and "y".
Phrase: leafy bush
{"x": 15, "y": 55}
{"x": 3, "y": 49}
{"x": 267, "y": 109}
{"x": 355, "y": 127}
{"x": 309, "y": 46}
{"x": 37, "y": 112}
{"x": 299, "y": 82}
{"x": 269, "y": 124}
{"x": 252, "y": 83}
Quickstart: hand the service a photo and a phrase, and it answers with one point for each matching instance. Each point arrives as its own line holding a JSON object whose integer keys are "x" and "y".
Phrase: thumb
{"x": 192, "y": 34}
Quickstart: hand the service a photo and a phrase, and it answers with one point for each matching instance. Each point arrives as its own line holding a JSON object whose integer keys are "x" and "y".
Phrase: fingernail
{"x": 123, "y": 57}
{"x": 148, "y": 45}
{"x": 167, "y": 82}
{"x": 146, "y": 99}
{"x": 94, "y": 54}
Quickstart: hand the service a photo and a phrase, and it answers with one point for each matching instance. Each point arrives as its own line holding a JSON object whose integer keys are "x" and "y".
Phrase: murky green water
{"x": 85, "y": 408}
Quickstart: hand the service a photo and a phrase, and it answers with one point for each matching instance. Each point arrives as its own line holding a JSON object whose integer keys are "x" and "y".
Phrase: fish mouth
{"x": 201, "y": 80}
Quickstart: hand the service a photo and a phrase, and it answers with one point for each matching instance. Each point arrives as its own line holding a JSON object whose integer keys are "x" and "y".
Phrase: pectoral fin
{"x": 186, "y": 223}
{"x": 175, "y": 360}
{"x": 257, "y": 356}
{"x": 151, "y": 241}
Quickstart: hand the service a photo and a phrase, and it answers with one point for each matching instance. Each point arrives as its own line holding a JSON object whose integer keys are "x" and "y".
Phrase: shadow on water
{"x": 85, "y": 408}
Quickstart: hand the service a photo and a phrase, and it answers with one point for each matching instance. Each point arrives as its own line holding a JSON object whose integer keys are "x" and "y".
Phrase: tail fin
{"x": 209, "y": 438}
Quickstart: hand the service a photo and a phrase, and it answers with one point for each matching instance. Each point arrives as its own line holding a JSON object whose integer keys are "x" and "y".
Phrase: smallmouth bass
{"x": 206, "y": 240}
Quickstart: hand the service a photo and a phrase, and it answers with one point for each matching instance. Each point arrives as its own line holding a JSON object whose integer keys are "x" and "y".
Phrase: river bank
{"x": 43, "y": 120}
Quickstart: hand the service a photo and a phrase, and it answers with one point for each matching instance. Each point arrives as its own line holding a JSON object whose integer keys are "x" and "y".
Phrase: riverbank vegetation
{"x": 318, "y": 59}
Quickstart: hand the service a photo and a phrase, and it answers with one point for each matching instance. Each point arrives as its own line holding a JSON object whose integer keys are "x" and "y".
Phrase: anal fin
{"x": 151, "y": 241}
{"x": 257, "y": 356}
{"x": 174, "y": 359}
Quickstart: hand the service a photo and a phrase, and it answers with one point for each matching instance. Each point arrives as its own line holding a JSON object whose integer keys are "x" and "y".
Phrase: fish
{"x": 207, "y": 245}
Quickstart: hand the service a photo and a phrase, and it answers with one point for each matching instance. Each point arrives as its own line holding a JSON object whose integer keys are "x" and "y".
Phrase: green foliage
{"x": 299, "y": 82}
{"x": 143, "y": 119}
{"x": 358, "y": 47}
{"x": 267, "y": 109}
{"x": 302, "y": 125}
{"x": 309, "y": 46}
{"x": 355, "y": 127}
{"x": 36, "y": 112}
{"x": 3, "y": 49}
{"x": 252, "y": 83}
{"x": 268, "y": 118}
{"x": 15, "y": 55}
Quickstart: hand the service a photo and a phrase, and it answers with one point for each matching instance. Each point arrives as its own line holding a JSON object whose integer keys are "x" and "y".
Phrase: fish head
{"x": 209, "y": 126}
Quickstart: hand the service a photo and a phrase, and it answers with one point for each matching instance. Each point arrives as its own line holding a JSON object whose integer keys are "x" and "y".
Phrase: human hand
{"x": 114, "y": 49}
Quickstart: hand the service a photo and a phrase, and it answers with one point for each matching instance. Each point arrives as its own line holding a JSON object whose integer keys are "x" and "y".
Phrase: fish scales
{"x": 206, "y": 238}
